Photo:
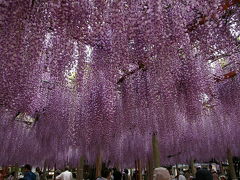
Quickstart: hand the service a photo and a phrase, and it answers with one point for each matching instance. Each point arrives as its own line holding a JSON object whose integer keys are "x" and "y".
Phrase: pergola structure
{"x": 120, "y": 78}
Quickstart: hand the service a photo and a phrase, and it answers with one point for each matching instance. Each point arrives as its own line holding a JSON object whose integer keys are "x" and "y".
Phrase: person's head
{"x": 67, "y": 168}
{"x": 38, "y": 169}
{"x": 161, "y": 174}
{"x": 27, "y": 168}
{"x": 126, "y": 171}
{"x": 203, "y": 174}
{"x": 179, "y": 172}
{"x": 106, "y": 173}
{"x": 57, "y": 172}
{"x": 198, "y": 168}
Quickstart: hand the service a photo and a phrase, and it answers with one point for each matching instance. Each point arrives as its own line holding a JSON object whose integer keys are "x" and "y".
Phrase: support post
{"x": 231, "y": 165}
{"x": 16, "y": 169}
{"x": 139, "y": 165}
{"x": 80, "y": 169}
{"x": 99, "y": 165}
{"x": 44, "y": 170}
{"x": 193, "y": 169}
{"x": 156, "y": 152}
{"x": 55, "y": 168}
{"x": 150, "y": 169}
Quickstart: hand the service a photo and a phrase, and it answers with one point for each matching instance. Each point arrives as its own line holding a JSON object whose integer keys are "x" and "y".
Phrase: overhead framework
{"x": 83, "y": 77}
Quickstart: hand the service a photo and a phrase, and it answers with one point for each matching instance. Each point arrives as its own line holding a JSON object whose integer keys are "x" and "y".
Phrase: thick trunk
{"x": 156, "y": 152}
{"x": 16, "y": 169}
{"x": 231, "y": 165}
{"x": 80, "y": 169}
{"x": 150, "y": 169}
{"x": 139, "y": 165}
{"x": 99, "y": 165}
{"x": 193, "y": 168}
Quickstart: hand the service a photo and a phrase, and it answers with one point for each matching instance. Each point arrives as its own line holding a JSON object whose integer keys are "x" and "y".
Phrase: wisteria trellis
{"x": 107, "y": 74}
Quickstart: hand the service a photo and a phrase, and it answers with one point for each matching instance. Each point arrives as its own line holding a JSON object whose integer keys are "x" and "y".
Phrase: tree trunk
{"x": 99, "y": 165}
{"x": 139, "y": 165}
{"x": 16, "y": 169}
{"x": 55, "y": 168}
{"x": 80, "y": 169}
{"x": 156, "y": 152}
{"x": 193, "y": 169}
{"x": 231, "y": 165}
{"x": 44, "y": 170}
{"x": 150, "y": 169}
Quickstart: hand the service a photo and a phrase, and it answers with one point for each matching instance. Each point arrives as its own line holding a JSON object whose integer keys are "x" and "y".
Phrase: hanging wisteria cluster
{"x": 81, "y": 77}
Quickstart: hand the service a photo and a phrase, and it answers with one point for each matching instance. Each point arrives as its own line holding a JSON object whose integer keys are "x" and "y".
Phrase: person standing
{"x": 117, "y": 174}
{"x": 179, "y": 176}
{"x": 28, "y": 174}
{"x": 215, "y": 175}
{"x": 126, "y": 176}
{"x": 38, "y": 173}
{"x": 11, "y": 176}
{"x": 213, "y": 172}
{"x": 106, "y": 174}
{"x": 161, "y": 174}
{"x": 203, "y": 174}
{"x": 66, "y": 175}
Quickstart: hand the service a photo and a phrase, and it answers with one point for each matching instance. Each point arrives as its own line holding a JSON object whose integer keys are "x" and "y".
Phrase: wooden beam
{"x": 224, "y": 7}
{"x": 225, "y": 76}
{"x": 141, "y": 66}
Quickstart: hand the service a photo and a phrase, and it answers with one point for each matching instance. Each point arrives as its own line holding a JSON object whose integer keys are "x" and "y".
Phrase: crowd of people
{"x": 114, "y": 174}
{"x": 201, "y": 174}
{"x": 164, "y": 174}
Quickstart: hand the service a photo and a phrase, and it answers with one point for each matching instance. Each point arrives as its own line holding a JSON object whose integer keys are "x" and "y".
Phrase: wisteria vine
{"x": 83, "y": 76}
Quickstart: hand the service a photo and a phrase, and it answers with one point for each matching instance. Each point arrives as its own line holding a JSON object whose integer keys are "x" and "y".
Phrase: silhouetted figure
{"x": 28, "y": 174}
{"x": 117, "y": 174}
{"x": 210, "y": 168}
{"x": 203, "y": 174}
{"x": 135, "y": 174}
{"x": 57, "y": 172}
{"x": 66, "y": 175}
{"x": 180, "y": 176}
{"x": 11, "y": 176}
{"x": 38, "y": 173}
{"x": 125, "y": 175}
{"x": 106, "y": 174}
